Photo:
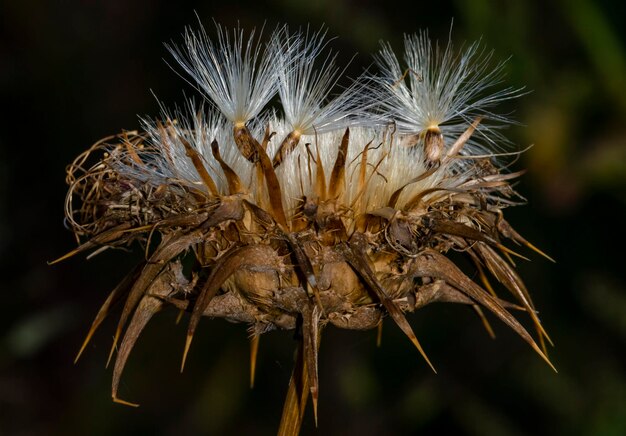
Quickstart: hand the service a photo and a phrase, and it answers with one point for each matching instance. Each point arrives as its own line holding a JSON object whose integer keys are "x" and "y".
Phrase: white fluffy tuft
{"x": 237, "y": 76}
{"x": 441, "y": 88}
{"x": 306, "y": 80}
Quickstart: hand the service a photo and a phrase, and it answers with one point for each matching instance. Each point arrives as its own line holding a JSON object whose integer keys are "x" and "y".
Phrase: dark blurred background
{"x": 72, "y": 72}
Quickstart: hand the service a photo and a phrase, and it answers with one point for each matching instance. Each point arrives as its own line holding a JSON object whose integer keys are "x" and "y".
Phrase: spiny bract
{"x": 340, "y": 211}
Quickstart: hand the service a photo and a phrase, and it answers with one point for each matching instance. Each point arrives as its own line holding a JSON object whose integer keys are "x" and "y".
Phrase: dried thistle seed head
{"x": 296, "y": 221}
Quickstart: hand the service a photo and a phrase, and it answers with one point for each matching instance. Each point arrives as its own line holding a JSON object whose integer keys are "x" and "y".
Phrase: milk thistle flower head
{"x": 338, "y": 210}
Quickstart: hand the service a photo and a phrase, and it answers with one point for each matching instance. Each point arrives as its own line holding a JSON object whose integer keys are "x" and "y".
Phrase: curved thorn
{"x": 186, "y": 351}
{"x": 99, "y": 240}
{"x": 484, "y": 278}
{"x": 484, "y": 320}
{"x": 296, "y": 398}
{"x": 85, "y": 342}
{"x": 311, "y": 340}
{"x": 538, "y": 251}
{"x": 314, "y": 394}
{"x": 509, "y": 251}
{"x": 254, "y": 351}
{"x": 181, "y": 312}
{"x": 68, "y": 255}
{"x": 124, "y": 402}
{"x": 116, "y": 338}
{"x": 508, "y": 231}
